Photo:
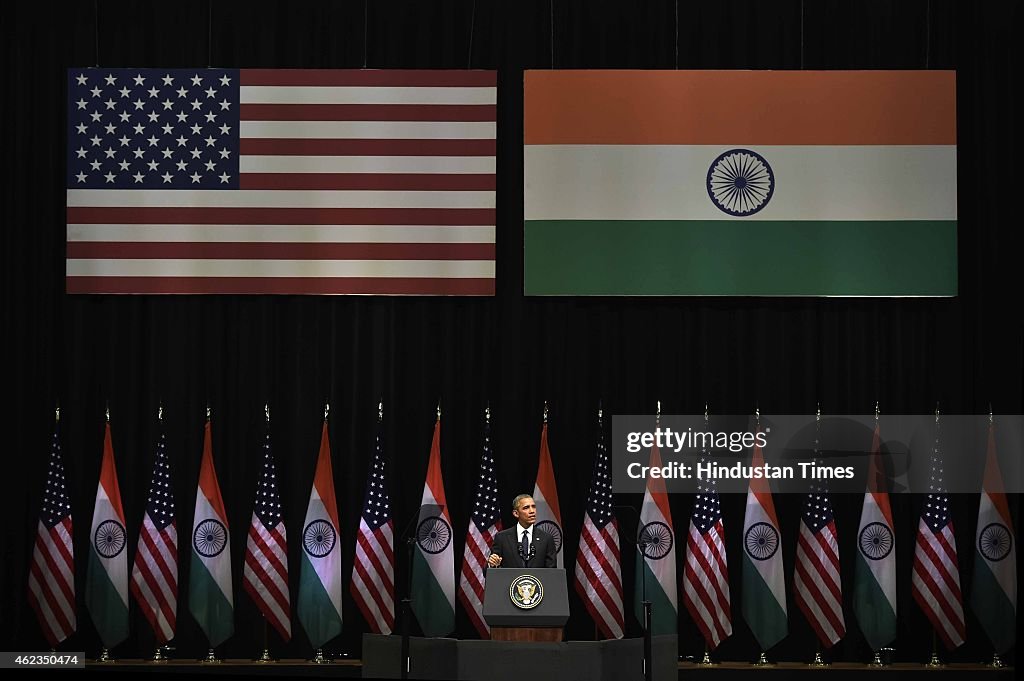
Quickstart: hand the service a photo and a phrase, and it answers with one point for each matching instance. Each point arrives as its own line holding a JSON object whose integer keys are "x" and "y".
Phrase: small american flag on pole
{"x": 598, "y": 560}
{"x": 484, "y": 524}
{"x": 373, "y": 573}
{"x": 706, "y": 573}
{"x": 265, "y": 573}
{"x": 51, "y": 578}
{"x": 935, "y": 580}
{"x": 155, "y": 571}
{"x": 819, "y": 589}
{"x": 281, "y": 181}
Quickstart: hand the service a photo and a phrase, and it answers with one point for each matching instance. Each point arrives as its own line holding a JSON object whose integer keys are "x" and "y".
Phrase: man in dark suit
{"x": 523, "y": 545}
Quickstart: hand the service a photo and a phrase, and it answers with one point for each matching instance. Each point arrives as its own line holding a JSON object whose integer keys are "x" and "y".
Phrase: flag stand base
{"x": 763, "y": 662}
{"x": 105, "y": 657}
{"x": 997, "y": 662}
{"x": 211, "y": 658}
{"x": 319, "y": 658}
{"x": 265, "y": 657}
{"x": 935, "y": 662}
{"x": 158, "y": 656}
{"x": 818, "y": 661}
{"x": 877, "y": 661}
{"x": 706, "y": 661}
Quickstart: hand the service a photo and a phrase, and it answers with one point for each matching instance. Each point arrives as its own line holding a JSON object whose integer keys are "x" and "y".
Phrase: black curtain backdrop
{"x": 783, "y": 355}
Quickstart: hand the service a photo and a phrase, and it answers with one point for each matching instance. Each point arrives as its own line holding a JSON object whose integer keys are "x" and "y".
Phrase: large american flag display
{"x": 155, "y": 571}
{"x": 935, "y": 580}
{"x": 265, "y": 571}
{"x": 484, "y": 524}
{"x": 281, "y": 181}
{"x": 599, "y": 560}
{"x": 51, "y": 578}
{"x": 706, "y": 573}
{"x": 373, "y": 571}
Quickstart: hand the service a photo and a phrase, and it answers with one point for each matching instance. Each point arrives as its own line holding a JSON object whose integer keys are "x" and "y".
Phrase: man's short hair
{"x": 519, "y": 497}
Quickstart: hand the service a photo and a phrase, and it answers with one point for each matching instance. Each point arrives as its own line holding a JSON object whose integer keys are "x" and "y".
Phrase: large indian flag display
{"x": 760, "y": 183}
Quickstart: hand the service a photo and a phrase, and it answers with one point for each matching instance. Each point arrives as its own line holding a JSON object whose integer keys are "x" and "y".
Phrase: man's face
{"x": 526, "y": 514}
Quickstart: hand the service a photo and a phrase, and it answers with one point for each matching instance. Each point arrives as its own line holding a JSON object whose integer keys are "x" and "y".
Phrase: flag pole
{"x": 158, "y": 655}
{"x": 706, "y": 661}
{"x": 265, "y": 657}
{"x": 105, "y": 657}
{"x": 935, "y": 662}
{"x": 762, "y": 661}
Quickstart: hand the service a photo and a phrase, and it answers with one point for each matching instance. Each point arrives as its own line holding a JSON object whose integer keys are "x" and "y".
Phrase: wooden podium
{"x": 512, "y": 620}
{"x": 536, "y": 634}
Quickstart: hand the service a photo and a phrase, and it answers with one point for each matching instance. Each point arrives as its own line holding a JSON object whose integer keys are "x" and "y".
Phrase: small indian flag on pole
{"x": 656, "y": 557}
{"x": 545, "y": 494}
{"x": 994, "y": 592}
{"x": 764, "y": 578}
{"x": 319, "y": 604}
{"x": 433, "y": 561}
{"x": 106, "y": 581}
{"x": 754, "y": 183}
{"x": 210, "y": 597}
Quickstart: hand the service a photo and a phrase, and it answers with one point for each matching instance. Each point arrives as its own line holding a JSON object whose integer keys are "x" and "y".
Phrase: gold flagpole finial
{"x": 545, "y": 411}
{"x": 327, "y": 409}
{"x": 380, "y": 411}
{"x": 439, "y": 410}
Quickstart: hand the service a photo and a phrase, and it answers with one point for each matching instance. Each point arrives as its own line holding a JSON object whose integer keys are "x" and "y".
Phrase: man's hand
{"x": 494, "y": 560}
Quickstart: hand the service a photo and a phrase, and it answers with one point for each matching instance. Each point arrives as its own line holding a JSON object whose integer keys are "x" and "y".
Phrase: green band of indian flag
{"x": 740, "y": 183}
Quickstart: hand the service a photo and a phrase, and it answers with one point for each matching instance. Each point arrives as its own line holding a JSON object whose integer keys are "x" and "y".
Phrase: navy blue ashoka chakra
{"x": 210, "y": 538}
{"x": 434, "y": 534}
{"x": 875, "y": 541}
{"x": 318, "y": 538}
{"x": 761, "y": 541}
{"x": 655, "y": 540}
{"x": 552, "y": 528}
{"x": 109, "y": 538}
{"x": 740, "y": 182}
{"x": 995, "y": 542}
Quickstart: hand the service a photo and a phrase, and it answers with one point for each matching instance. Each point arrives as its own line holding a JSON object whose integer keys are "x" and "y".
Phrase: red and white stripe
{"x": 265, "y": 574}
{"x": 51, "y": 581}
{"x": 351, "y": 182}
{"x": 471, "y": 582}
{"x": 155, "y": 577}
{"x": 818, "y": 586}
{"x": 935, "y": 582}
{"x": 706, "y": 583}
{"x": 373, "y": 576}
{"x": 599, "y": 576}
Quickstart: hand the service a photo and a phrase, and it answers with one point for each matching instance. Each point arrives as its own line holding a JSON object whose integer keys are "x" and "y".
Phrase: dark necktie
{"x": 524, "y": 547}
